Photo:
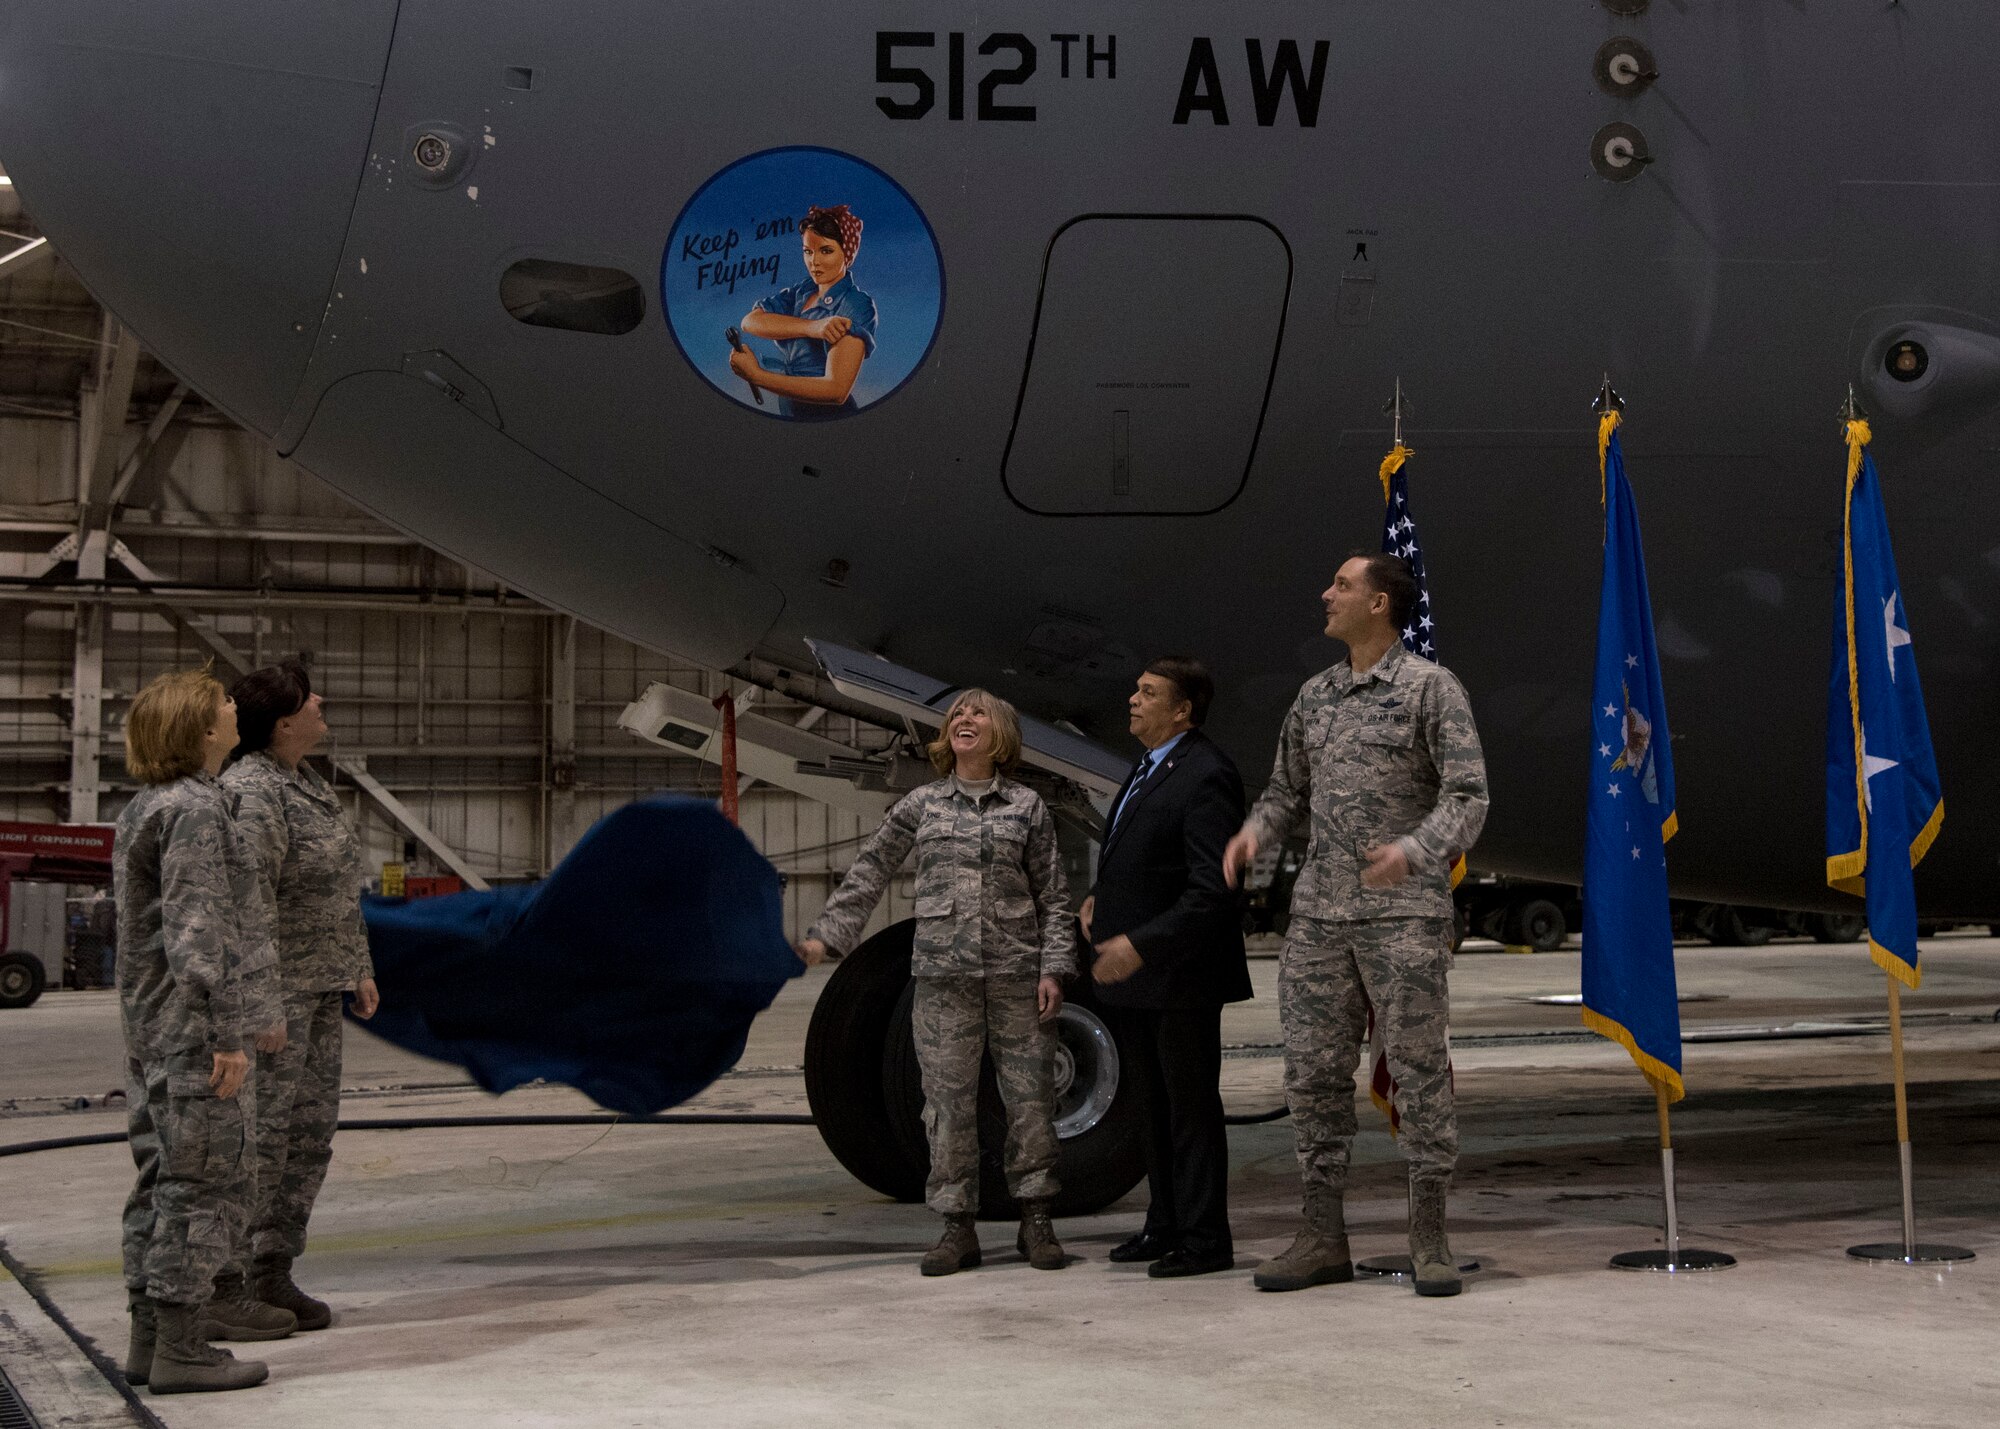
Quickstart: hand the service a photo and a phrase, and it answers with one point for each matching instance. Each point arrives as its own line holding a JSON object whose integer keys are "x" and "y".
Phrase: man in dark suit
{"x": 1169, "y": 939}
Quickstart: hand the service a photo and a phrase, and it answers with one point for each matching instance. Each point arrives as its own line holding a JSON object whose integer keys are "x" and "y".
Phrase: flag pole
{"x": 1398, "y": 1267}
{"x": 1667, "y": 1175}
{"x": 1908, "y": 1251}
{"x": 1671, "y": 1259}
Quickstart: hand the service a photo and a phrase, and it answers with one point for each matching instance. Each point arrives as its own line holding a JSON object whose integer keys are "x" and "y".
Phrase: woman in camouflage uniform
{"x": 197, "y": 985}
{"x": 308, "y": 869}
{"x": 994, "y": 945}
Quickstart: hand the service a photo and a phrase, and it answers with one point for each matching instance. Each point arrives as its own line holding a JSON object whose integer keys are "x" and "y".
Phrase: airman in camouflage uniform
{"x": 1383, "y": 766}
{"x": 196, "y": 977}
{"x": 994, "y": 942}
{"x": 308, "y": 871}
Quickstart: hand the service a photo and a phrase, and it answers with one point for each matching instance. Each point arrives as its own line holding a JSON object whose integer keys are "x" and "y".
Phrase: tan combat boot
{"x": 185, "y": 1363}
{"x": 957, "y": 1249}
{"x": 273, "y": 1285}
{"x": 1037, "y": 1237}
{"x": 139, "y": 1349}
{"x": 1435, "y": 1268}
{"x": 1319, "y": 1256}
{"x": 233, "y": 1313}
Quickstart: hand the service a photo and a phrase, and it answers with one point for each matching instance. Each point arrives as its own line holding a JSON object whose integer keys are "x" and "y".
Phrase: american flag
{"x": 1399, "y": 538}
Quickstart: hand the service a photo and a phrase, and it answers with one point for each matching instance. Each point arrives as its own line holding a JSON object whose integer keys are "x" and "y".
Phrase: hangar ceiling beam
{"x": 149, "y": 444}
{"x": 101, "y": 412}
{"x": 199, "y": 626}
{"x": 31, "y": 254}
{"x": 357, "y": 770}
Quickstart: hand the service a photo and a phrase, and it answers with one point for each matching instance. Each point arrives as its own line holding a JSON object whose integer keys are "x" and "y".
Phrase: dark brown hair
{"x": 1392, "y": 576}
{"x": 1190, "y": 678}
{"x": 263, "y": 697}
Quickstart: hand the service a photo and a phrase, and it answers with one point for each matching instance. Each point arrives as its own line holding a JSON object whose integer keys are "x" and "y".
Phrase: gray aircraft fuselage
{"x": 1182, "y": 254}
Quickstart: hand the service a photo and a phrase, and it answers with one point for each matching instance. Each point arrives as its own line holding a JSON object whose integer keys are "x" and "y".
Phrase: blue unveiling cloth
{"x": 1629, "y": 994}
{"x": 631, "y": 973}
{"x": 1883, "y": 805}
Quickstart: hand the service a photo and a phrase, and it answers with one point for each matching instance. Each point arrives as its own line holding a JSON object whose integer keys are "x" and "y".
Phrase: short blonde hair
{"x": 1005, "y": 736}
{"x": 166, "y": 730}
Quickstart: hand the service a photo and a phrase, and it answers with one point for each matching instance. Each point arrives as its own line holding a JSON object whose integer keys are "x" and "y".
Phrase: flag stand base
{"x": 1671, "y": 1262}
{"x": 1398, "y": 1267}
{"x": 1910, "y": 1254}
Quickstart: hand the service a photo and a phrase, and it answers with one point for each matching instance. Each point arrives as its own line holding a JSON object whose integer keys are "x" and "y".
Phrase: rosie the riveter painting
{"x": 804, "y": 283}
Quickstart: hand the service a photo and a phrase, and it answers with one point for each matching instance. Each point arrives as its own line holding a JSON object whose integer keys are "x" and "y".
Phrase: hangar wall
{"x": 444, "y": 685}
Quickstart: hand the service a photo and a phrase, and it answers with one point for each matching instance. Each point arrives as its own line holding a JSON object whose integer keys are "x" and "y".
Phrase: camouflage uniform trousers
{"x": 954, "y": 1020}
{"x": 197, "y": 1183}
{"x": 298, "y": 1106}
{"x": 1401, "y": 964}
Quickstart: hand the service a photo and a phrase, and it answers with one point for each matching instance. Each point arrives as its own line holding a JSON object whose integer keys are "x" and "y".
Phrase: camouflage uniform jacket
{"x": 1387, "y": 755}
{"x": 196, "y": 972}
{"x": 309, "y": 872}
{"x": 991, "y": 897}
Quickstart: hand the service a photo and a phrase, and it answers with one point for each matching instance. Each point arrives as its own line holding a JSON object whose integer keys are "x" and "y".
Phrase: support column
{"x": 101, "y": 409}
{"x": 562, "y": 738}
{"x": 86, "y": 720}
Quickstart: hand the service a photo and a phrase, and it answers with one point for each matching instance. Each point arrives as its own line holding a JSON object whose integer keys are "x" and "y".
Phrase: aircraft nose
{"x": 196, "y": 164}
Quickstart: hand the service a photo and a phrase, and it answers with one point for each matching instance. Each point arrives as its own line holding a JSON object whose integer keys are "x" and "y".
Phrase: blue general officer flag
{"x": 1628, "y": 936}
{"x": 1883, "y": 805}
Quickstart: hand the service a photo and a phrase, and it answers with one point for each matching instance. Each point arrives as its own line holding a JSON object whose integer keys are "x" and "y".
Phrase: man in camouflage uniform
{"x": 994, "y": 944}
{"x": 197, "y": 982}
{"x": 307, "y": 867}
{"x": 1381, "y": 755}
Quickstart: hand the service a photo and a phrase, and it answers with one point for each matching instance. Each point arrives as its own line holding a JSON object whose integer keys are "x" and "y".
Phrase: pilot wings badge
{"x": 1637, "y": 756}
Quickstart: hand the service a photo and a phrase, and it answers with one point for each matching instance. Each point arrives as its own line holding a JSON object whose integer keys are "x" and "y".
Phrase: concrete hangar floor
{"x": 736, "y": 1275}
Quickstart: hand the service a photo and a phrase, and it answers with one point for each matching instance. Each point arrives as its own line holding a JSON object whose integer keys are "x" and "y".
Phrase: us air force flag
{"x": 1883, "y": 806}
{"x": 1628, "y": 937}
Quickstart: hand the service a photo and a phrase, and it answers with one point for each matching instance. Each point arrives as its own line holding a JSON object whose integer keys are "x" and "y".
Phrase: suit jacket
{"x": 1159, "y": 882}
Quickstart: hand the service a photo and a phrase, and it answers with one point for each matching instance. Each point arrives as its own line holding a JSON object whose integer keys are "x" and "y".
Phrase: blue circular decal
{"x": 803, "y": 283}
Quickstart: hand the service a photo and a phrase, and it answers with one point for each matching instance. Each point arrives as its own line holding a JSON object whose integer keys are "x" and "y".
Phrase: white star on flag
{"x": 1870, "y": 767}
{"x": 1613, "y": 790}
{"x": 1604, "y": 750}
{"x": 1631, "y": 662}
{"x": 1893, "y": 633}
{"x": 1611, "y": 709}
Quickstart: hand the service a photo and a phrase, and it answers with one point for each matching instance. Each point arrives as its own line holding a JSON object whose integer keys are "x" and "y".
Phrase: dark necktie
{"x": 1146, "y": 766}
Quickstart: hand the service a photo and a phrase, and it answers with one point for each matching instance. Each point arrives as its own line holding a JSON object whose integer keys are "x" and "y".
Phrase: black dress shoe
{"x": 1143, "y": 1246}
{"x": 1177, "y": 1263}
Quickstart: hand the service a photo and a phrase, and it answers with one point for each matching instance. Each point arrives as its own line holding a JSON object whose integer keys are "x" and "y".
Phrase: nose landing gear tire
{"x": 867, "y": 1091}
